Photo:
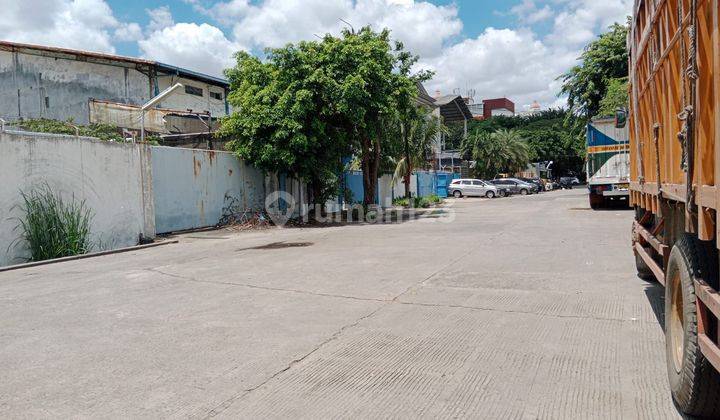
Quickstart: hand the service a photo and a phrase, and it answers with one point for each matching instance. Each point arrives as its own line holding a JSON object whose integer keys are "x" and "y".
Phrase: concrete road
{"x": 521, "y": 308}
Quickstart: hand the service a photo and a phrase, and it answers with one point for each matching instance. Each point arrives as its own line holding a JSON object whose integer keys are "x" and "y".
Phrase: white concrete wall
{"x": 190, "y": 187}
{"x": 399, "y": 187}
{"x": 68, "y": 84}
{"x": 110, "y": 177}
{"x": 385, "y": 190}
{"x": 185, "y": 101}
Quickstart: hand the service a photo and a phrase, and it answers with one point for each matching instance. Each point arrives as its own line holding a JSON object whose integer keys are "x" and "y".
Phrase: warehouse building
{"x": 87, "y": 87}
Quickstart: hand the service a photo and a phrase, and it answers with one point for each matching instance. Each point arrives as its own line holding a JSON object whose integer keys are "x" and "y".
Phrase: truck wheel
{"x": 596, "y": 201}
{"x": 644, "y": 272}
{"x": 694, "y": 383}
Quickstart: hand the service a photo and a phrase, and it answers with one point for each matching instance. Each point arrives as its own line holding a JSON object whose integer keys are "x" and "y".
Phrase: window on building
{"x": 216, "y": 95}
{"x": 192, "y": 90}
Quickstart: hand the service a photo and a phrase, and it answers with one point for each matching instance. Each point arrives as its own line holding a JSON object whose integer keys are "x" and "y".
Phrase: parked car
{"x": 568, "y": 182}
{"x": 516, "y": 186}
{"x": 472, "y": 188}
{"x": 504, "y": 191}
{"x": 535, "y": 181}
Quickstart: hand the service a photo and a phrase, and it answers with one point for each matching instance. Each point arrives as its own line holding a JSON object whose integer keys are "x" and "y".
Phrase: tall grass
{"x": 52, "y": 227}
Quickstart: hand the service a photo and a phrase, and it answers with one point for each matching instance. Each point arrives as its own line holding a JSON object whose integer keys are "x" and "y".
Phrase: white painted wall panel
{"x": 107, "y": 176}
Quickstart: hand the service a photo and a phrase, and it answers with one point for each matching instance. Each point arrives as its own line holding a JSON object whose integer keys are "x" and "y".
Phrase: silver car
{"x": 472, "y": 188}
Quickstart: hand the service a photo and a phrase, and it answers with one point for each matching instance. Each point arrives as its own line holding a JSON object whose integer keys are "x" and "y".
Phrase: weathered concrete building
{"x": 56, "y": 83}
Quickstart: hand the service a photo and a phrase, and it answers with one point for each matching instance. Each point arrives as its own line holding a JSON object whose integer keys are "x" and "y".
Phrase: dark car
{"x": 534, "y": 181}
{"x": 515, "y": 185}
{"x": 568, "y": 182}
{"x": 503, "y": 190}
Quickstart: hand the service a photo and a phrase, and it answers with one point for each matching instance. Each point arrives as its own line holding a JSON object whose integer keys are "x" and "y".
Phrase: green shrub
{"x": 418, "y": 202}
{"x": 52, "y": 227}
{"x": 421, "y": 202}
{"x": 434, "y": 199}
{"x": 400, "y": 202}
{"x": 107, "y": 132}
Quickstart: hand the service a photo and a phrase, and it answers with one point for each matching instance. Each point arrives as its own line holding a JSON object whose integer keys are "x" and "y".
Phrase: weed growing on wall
{"x": 52, "y": 227}
{"x": 106, "y": 132}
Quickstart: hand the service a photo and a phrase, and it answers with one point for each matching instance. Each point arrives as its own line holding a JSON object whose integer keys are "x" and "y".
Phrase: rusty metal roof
{"x": 109, "y": 59}
{"x": 77, "y": 54}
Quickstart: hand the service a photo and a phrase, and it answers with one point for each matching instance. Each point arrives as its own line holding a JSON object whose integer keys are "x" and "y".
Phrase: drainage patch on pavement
{"x": 278, "y": 245}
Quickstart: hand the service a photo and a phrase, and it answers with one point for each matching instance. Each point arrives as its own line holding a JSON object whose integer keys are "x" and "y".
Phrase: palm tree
{"x": 503, "y": 151}
{"x": 418, "y": 132}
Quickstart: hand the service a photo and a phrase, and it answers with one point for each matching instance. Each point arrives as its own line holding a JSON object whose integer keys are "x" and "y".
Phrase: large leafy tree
{"x": 603, "y": 60}
{"x": 369, "y": 85}
{"x": 308, "y": 106}
{"x": 280, "y": 122}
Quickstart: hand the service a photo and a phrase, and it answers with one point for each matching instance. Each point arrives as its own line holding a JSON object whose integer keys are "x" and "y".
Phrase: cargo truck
{"x": 608, "y": 162}
{"x": 674, "y": 127}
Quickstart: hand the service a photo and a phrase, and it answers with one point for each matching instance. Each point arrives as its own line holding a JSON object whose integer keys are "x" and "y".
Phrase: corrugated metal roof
{"x": 190, "y": 74}
{"x": 453, "y": 108}
{"x": 32, "y": 48}
{"x": 111, "y": 59}
{"x": 423, "y": 96}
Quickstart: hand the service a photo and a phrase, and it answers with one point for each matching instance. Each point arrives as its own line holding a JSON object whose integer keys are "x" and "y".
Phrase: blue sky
{"x": 476, "y": 15}
{"x": 513, "y": 48}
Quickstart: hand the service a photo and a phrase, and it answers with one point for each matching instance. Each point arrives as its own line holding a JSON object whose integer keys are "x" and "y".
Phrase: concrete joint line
{"x": 395, "y": 300}
{"x": 244, "y": 393}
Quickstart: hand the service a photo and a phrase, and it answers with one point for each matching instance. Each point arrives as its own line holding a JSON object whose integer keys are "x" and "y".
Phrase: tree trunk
{"x": 406, "y": 180}
{"x": 375, "y": 169}
{"x": 408, "y": 172}
{"x": 370, "y": 163}
{"x": 316, "y": 193}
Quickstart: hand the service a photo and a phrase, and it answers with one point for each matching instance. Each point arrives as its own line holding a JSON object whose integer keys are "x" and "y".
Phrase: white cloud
{"x": 529, "y": 12}
{"x": 422, "y": 26}
{"x": 80, "y": 24}
{"x": 160, "y": 18}
{"x": 202, "y": 48}
{"x": 128, "y": 32}
{"x": 514, "y": 62}
{"x": 500, "y": 63}
{"x": 518, "y": 63}
{"x": 580, "y": 20}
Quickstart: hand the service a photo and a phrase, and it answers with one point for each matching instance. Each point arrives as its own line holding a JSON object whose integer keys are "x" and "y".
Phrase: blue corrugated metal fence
{"x": 427, "y": 182}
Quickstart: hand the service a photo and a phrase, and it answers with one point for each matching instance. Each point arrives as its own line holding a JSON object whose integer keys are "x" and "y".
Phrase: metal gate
{"x": 443, "y": 182}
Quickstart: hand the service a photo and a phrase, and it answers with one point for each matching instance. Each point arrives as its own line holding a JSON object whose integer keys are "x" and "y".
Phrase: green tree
{"x": 280, "y": 122}
{"x": 547, "y": 134}
{"x": 419, "y": 134}
{"x": 603, "y": 60}
{"x": 414, "y": 126}
{"x": 503, "y": 151}
{"x": 307, "y": 106}
{"x": 369, "y": 84}
{"x": 616, "y": 97}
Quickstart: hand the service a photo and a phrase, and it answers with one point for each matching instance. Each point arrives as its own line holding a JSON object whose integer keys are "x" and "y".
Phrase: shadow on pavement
{"x": 655, "y": 294}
